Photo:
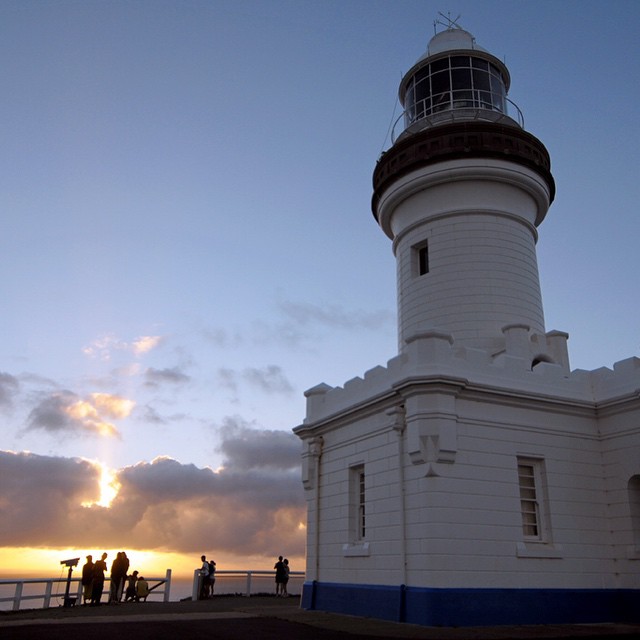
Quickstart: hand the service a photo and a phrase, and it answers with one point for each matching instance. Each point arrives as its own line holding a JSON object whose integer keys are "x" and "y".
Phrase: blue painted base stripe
{"x": 474, "y": 607}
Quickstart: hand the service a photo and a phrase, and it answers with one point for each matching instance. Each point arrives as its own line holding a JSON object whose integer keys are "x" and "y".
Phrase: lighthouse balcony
{"x": 455, "y": 106}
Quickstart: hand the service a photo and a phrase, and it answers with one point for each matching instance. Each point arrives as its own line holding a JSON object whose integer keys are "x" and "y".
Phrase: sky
{"x": 187, "y": 245}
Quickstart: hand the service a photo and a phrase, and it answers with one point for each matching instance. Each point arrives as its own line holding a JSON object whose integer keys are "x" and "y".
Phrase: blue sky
{"x": 187, "y": 240}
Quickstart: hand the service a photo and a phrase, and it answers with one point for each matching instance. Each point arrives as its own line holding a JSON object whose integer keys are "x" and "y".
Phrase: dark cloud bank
{"x": 252, "y": 505}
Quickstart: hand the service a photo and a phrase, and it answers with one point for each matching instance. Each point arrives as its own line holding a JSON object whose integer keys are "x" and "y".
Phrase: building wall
{"x": 440, "y": 457}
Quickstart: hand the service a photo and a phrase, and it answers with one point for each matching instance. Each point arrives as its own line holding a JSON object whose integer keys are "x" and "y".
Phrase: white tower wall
{"x": 478, "y": 220}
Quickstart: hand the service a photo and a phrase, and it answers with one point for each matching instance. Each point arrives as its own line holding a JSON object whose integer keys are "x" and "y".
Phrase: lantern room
{"x": 455, "y": 80}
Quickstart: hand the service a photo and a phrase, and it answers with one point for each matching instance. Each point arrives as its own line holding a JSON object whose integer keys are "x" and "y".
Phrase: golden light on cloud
{"x": 109, "y": 487}
{"x": 104, "y": 346}
{"x": 114, "y": 406}
{"x": 144, "y": 344}
{"x": 81, "y": 410}
{"x": 86, "y": 415}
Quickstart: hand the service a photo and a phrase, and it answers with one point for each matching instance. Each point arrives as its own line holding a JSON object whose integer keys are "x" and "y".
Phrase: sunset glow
{"x": 45, "y": 563}
{"x": 109, "y": 487}
{"x": 189, "y": 248}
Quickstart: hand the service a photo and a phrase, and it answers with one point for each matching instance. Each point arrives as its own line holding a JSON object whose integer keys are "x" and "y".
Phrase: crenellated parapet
{"x": 535, "y": 365}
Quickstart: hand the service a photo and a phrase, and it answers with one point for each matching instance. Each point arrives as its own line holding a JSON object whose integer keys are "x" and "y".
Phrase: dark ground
{"x": 261, "y": 618}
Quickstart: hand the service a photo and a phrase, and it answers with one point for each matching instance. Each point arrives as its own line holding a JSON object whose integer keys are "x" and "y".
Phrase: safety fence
{"x": 42, "y": 589}
{"x": 247, "y": 582}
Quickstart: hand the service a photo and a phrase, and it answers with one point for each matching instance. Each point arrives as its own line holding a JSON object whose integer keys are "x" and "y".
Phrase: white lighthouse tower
{"x": 475, "y": 479}
{"x": 461, "y": 193}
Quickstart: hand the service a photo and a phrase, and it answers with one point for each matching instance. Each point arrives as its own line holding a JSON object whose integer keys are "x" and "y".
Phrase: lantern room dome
{"x": 452, "y": 39}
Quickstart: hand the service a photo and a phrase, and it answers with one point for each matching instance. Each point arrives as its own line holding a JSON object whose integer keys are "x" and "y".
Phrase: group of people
{"x": 207, "y": 578}
{"x": 207, "y": 573}
{"x": 93, "y": 578}
{"x": 282, "y": 577}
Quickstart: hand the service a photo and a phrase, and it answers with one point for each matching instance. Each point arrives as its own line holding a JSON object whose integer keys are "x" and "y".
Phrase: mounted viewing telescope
{"x": 72, "y": 562}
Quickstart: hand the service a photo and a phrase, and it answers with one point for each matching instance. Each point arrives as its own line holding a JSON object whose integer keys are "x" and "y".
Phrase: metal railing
{"x": 467, "y": 104}
{"x": 19, "y": 595}
{"x": 241, "y": 577}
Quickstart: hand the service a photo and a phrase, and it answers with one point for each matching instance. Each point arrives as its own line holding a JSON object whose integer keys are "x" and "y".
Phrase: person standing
{"x": 212, "y": 577}
{"x": 87, "y": 580}
{"x": 117, "y": 576}
{"x": 125, "y": 571}
{"x": 98, "y": 580}
{"x": 204, "y": 579}
{"x": 279, "y": 567}
{"x": 285, "y": 581}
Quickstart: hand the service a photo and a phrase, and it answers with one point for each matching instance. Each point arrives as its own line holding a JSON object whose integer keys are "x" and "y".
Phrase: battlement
{"x": 531, "y": 364}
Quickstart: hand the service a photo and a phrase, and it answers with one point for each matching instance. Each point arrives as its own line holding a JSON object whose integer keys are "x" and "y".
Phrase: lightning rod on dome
{"x": 449, "y": 24}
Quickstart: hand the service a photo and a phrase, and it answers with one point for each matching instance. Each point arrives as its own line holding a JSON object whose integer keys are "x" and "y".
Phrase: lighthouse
{"x": 474, "y": 479}
{"x": 461, "y": 194}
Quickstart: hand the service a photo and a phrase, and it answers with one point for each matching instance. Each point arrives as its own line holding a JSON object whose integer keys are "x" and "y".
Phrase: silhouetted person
{"x": 285, "y": 579}
{"x": 98, "y": 580}
{"x": 212, "y": 577}
{"x": 280, "y": 574}
{"x": 131, "y": 587}
{"x": 125, "y": 570}
{"x": 142, "y": 589}
{"x": 87, "y": 580}
{"x": 204, "y": 579}
{"x": 118, "y": 573}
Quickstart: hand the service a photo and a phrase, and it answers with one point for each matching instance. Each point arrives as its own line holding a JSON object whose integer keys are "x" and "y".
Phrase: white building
{"x": 475, "y": 479}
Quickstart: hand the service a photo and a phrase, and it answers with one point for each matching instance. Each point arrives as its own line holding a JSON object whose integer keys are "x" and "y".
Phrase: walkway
{"x": 258, "y": 618}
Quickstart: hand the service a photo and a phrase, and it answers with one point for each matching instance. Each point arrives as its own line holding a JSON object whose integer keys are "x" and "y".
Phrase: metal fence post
{"x": 80, "y": 598}
{"x": 167, "y": 586}
{"x": 47, "y": 594}
{"x": 195, "y": 591}
{"x": 17, "y": 596}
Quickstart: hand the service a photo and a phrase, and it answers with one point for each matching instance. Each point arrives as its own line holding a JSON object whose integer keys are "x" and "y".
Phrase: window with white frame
{"x": 420, "y": 259}
{"x": 532, "y": 499}
{"x": 634, "y": 506}
{"x": 358, "y": 504}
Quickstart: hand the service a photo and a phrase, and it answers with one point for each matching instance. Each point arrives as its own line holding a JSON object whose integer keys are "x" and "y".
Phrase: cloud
{"x": 66, "y": 412}
{"x": 104, "y": 346}
{"x": 252, "y": 506}
{"x": 144, "y": 344}
{"x": 40, "y": 495}
{"x": 334, "y": 316}
{"x": 152, "y": 416}
{"x": 9, "y": 387}
{"x": 270, "y": 379}
{"x": 220, "y": 337}
{"x": 113, "y": 406}
{"x": 228, "y": 379}
{"x": 173, "y": 375}
{"x": 246, "y": 448}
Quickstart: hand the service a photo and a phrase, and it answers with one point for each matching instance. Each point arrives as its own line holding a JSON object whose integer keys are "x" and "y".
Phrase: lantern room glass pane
{"x": 441, "y": 90}
{"x": 439, "y": 65}
{"x": 481, "y": 80}
{"x": 498, "y": 94}
{"x": 459, "y": 61}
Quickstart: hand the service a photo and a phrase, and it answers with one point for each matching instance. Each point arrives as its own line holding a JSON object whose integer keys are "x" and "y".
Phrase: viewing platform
{"x": 238, "y": 617}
